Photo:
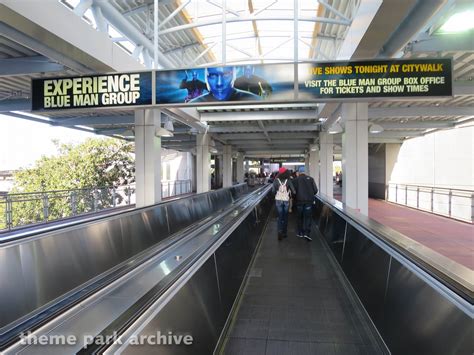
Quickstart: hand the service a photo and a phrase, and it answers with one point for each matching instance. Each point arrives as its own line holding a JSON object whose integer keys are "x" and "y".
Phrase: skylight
{"x": 271, "y": 35}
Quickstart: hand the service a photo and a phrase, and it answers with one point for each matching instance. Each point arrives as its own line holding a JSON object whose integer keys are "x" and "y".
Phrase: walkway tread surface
{"x": 294, "y": 302}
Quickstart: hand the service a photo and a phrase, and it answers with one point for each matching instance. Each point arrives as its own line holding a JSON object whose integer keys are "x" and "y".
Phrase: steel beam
{"x": 28, "y": 65}
{"x": 289, "y": 140}
{"x": 24, "y": 24}
{"x": 259, "y": 115}
{"x": 270, "y": 128}
{"x": 410, "y": 26}
{"x": 381, "y": 112}
{"x": 115, "y": 18}
{"x": 443, "y": 43}
{"x": 417, "y": 124}
{"x": 258, "y": 107}
{"x": 254, "y": 136}
{"x": 15, "y": 105}
{"x": 372, "y": 139}
{"x": 95, "y": 120}
{"x": 33, "y": 44}
{"x": 396, "y": 134}
{"x": 333, "y": 10}
{"x": 254, "y": 18}
{"x": 463, "y": 88}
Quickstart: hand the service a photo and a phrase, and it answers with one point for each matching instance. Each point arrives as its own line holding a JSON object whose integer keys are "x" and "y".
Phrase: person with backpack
{"x": 305, "y": 190}
{"x": 283, "y": 188}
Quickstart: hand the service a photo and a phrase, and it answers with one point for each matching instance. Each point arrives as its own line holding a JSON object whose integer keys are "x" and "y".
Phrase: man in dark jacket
{"x": 305, "y": 190}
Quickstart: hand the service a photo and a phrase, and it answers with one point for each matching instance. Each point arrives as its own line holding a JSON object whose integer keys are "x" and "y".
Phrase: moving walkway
{"x": 189, "y": 268}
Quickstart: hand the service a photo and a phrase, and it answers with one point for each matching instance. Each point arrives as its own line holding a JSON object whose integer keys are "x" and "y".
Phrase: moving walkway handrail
{"x": 127, "y": 323}
{"x": 50, "y": 311}
{"x": 456, "y": 277}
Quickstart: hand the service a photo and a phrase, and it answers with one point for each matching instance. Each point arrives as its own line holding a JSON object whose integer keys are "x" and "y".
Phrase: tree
{"x": 91, "y": 164}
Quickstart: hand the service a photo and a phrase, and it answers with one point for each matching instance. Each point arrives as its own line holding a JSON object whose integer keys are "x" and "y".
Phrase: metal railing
{"x": 453, "y": 203}
{"x": 22, "y": 209}
{"x": 175, "y": 188}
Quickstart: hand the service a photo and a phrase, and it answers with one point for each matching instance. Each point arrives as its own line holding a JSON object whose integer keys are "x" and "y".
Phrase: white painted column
{"x": 306, "y": 164}
{"x": 203, "y": 163}
{"x": 355, "y": 156}
{"x": 227, "y": 166}
{"x": 240, "y": 167}
{"x": 314, "y": 164}
{"x": 147, "y": 157}
{"x": 247, "y": 166}
{"x": 326, "y": 158}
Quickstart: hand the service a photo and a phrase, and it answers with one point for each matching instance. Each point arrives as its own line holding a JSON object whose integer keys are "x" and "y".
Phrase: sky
{"x": 22, "y": 141}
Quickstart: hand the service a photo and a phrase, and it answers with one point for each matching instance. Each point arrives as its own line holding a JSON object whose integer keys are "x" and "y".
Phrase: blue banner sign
{"x": 248, "y": 83}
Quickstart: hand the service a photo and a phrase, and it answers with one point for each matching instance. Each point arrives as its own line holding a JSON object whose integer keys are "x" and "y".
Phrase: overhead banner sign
{"x": 248, "y": 83}
{"x": 287, "y": 160}
{"x": 367, "y": 79}
{"x": 109, "y": 90}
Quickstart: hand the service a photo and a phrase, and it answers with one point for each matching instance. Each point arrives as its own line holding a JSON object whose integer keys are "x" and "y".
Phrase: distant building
{"x": 6, "y": 181}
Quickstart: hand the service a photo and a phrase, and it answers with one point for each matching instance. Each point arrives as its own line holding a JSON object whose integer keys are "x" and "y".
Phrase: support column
{"x": 306, "y": 164}
{"x": 203, "y": 162}
{"x": 355, "y": 156}
{"x": 227, "y": 166}
{"x": 326, "y": 157}
{"x": 240, "y": 168}
{"x": 218, "y": 169}
{"x": 147, "y": 157}
{"x": 247, "y": 166}
{"x": 314, "y": 164}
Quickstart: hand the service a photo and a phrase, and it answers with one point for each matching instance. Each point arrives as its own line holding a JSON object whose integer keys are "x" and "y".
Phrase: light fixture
{"x": 459, "y": 22}
{"x": 322, "y": 119}
{"x": 335, "y": 128}
{"x": 313, "y": 148}
{"x": 375, "y": 128}
{"x": 169, "y": 125}
{"x": 161, "y": 132}
{"x": 213, "y": 150}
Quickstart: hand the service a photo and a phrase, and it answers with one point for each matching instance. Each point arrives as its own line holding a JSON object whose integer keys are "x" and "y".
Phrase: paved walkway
{"x": 446, "y": 236}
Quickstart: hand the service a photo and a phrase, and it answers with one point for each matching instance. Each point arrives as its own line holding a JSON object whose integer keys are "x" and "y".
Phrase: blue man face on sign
{"x": 221, "y": 82}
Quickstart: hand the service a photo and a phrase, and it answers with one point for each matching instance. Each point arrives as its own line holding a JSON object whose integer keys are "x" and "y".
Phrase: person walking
{"x": 305, "y": 190}
{"x": 282, "y": 187}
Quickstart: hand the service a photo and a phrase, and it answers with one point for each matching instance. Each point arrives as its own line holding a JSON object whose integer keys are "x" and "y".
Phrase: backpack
{"x": 282, "y": 194}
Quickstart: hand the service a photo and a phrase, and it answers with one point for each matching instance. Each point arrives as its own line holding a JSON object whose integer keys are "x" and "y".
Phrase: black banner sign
{"x": 287, "y": 160}
{"x": 384, "y": 78}
{"x": 250, "y": 84}
{"x": 110, "y": 90}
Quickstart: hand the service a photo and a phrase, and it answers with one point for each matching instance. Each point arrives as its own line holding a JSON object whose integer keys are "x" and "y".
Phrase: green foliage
{"x": 93, "y": 163}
